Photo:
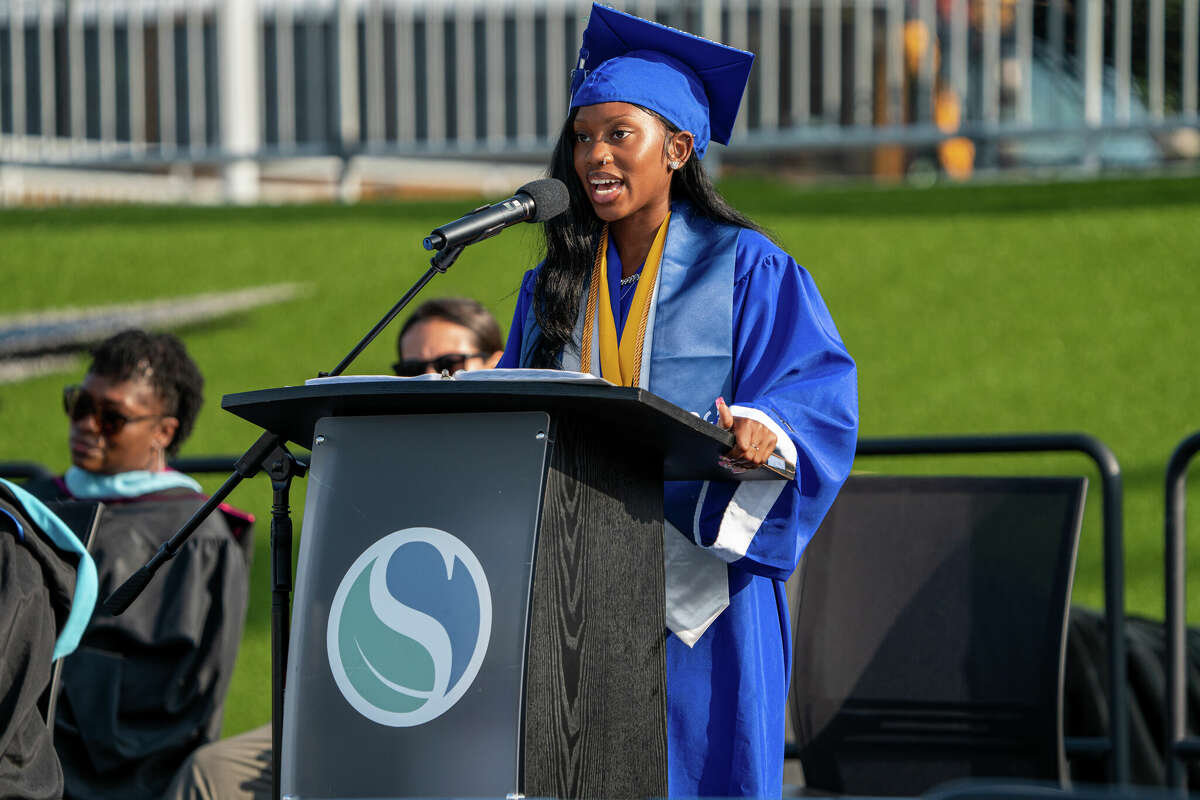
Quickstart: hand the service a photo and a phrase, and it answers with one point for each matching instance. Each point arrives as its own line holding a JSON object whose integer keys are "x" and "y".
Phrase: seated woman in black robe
{"x": 145, "y": 688}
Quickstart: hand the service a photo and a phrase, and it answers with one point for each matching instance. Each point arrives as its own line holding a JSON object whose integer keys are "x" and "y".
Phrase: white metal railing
{"x": 234, "y": 82}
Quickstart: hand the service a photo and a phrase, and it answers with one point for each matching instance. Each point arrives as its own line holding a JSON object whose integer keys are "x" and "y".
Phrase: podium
{"x": 479, "y": 596}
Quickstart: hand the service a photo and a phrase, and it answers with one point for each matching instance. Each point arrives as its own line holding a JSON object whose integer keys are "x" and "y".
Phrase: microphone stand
{"x": 270, "y": 453}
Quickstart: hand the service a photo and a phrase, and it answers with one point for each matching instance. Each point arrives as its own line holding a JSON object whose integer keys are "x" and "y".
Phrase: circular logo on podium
{"x": 409, "y": 627}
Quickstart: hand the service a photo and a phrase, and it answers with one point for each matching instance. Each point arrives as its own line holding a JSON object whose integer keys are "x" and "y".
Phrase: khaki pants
{"x": 237, "y": 768}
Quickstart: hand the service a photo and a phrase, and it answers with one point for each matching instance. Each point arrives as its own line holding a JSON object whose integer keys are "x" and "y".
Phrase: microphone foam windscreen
{"x": 550, "y": 198}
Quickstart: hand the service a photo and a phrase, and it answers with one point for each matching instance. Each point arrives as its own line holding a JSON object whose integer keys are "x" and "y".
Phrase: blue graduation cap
{"x": 694, "y": 83}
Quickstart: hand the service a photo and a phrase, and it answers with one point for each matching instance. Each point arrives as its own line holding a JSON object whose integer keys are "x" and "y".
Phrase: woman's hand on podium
{"x": 754, "y": 443}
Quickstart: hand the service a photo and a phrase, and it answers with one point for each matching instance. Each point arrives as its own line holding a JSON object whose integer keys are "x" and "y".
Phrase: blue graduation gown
{"x": 726, "y": 693}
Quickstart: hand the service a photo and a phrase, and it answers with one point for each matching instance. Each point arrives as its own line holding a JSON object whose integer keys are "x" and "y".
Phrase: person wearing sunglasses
{"x": 145, "y": 688}
{"x": 448, "y": 334}
{"x": 105, "y": 435}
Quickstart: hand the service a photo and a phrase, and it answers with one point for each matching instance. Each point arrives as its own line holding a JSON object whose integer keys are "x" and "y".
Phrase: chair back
{"x": 24, "y": 471}
{"x": 930, "y": 632}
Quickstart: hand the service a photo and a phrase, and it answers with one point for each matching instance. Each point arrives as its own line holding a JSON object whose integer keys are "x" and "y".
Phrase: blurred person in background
{"x": 448, "y": 334}
{"x": 145, "y": 688}
{"x": 444, "y": 334}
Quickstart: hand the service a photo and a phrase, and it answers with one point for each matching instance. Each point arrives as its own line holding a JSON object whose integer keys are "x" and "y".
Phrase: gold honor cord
{"x": 621, "y": 359}
{"x": 585, "y": 357}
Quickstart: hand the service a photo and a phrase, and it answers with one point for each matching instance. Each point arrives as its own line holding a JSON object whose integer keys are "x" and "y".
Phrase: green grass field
{"x": 1067, "y": 307}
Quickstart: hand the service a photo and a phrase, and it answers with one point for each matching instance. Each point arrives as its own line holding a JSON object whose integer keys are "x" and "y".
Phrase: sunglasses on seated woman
{"x": 79, "y": 403}
{"x": 451, "y": 362}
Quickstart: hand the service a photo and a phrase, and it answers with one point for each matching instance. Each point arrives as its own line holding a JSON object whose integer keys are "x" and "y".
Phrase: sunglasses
{"x": 79, "y": 403}
{"x": 451, "y": 362}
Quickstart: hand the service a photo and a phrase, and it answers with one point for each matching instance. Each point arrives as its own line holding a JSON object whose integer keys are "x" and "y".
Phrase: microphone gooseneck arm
{"x": 441, "y": 261}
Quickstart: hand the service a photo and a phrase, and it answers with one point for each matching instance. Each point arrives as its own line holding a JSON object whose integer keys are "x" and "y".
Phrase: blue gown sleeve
{"x": 516, "y": 332}
{"x": 791, "y": 372}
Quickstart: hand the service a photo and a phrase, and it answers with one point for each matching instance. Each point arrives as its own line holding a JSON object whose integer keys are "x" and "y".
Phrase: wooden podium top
{"x": 690, "y": 447}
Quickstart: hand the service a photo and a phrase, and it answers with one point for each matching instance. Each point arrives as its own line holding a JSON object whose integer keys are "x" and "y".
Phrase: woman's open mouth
{"x": 604, "y": 188}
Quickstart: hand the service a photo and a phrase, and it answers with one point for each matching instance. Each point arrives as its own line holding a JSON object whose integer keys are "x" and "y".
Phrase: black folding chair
{"x": 930, "y": 629}
{"x": 23, "y": 470}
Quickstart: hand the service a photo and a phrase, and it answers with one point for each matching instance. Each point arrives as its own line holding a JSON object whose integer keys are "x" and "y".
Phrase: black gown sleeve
{"x": 36, "y": 584}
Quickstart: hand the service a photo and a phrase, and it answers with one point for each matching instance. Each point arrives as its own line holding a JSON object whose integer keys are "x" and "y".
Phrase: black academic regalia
{"x": 146, "y": 688}
{"x": 37, "y": 581}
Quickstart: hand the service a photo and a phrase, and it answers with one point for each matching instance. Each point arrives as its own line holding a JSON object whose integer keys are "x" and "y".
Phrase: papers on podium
{"x": 554, "y": 375}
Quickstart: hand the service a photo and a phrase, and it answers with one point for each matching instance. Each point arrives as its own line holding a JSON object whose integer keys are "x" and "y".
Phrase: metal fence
{"x": 237, "y": 82}
{"x": 1183, "y": 745}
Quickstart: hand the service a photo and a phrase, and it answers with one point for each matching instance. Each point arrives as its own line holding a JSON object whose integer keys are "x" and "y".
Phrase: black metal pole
{"x": 1175, "y": 573}
{"x": 245, "y": 467}
{"x": 1117, "y": 747}
{"x": 281, "y": 466}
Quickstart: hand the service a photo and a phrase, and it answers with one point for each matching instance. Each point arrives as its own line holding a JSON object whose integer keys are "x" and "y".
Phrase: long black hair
{"x": 571, "y": 240}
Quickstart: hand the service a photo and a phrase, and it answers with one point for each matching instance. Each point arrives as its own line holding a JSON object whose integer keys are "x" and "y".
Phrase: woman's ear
{"x": 679, "y": 146}
{"x": 164, "y": 433}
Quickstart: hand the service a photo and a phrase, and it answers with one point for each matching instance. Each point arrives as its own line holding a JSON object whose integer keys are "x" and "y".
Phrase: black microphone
{"x": 536, "y": 201}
